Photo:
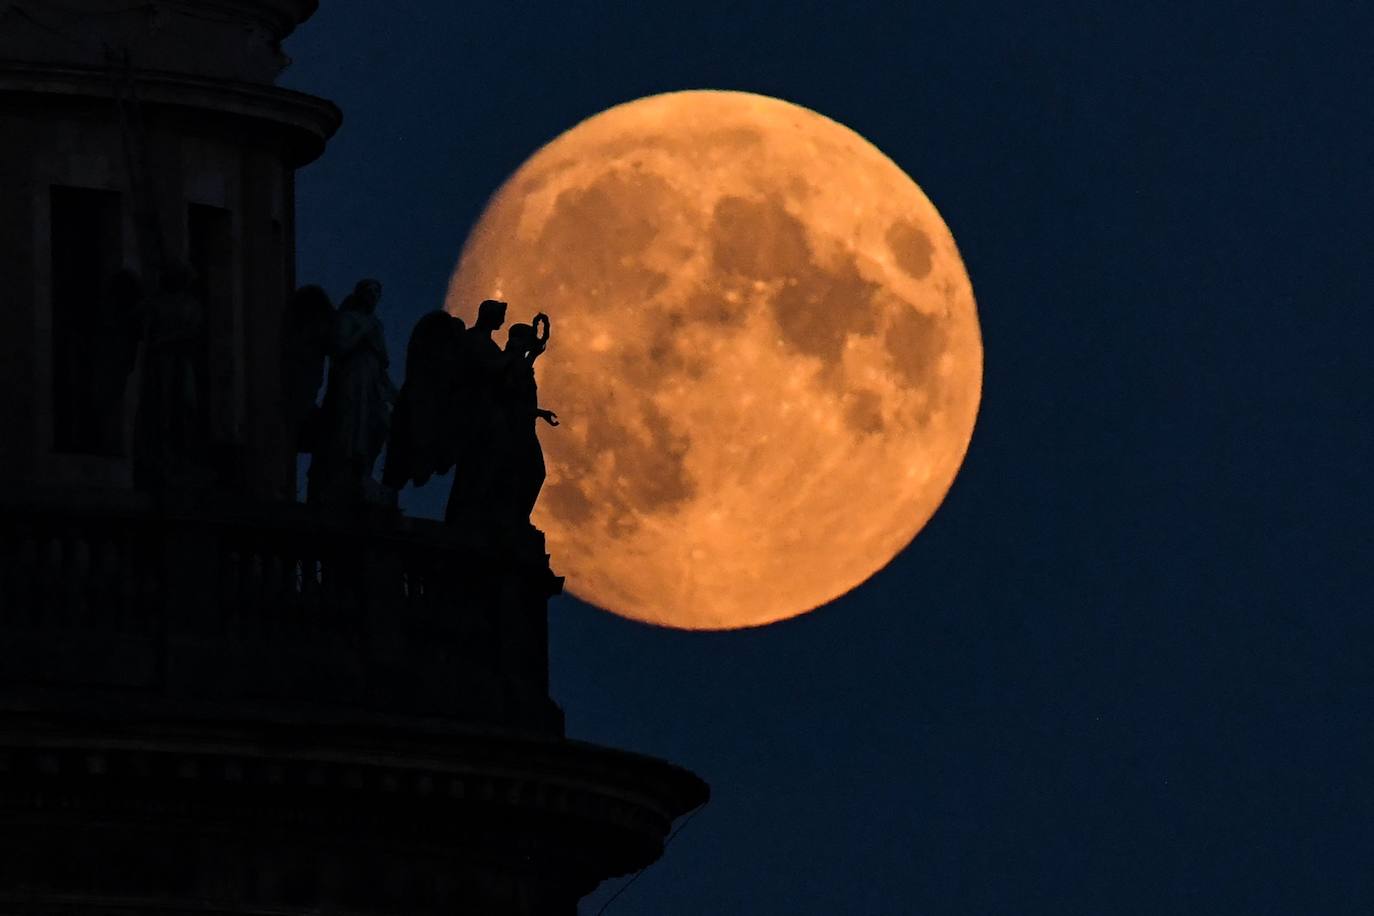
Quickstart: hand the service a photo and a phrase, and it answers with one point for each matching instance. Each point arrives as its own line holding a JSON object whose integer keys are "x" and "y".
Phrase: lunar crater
{"x": 911, "y": 247}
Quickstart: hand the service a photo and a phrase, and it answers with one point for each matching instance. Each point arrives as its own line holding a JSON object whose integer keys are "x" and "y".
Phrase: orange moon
{"x": 765, "y": 354}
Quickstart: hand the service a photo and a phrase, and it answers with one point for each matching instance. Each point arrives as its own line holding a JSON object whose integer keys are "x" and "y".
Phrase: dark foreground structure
{"x": 214, "y": 698}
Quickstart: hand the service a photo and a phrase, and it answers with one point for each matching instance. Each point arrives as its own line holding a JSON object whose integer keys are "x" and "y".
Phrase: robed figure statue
{"x": 356, "y": 412}
{"x": 522, "y": 457}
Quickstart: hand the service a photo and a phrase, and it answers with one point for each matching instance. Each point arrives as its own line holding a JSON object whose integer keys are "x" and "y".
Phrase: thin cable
{"x": 672, "y": 836}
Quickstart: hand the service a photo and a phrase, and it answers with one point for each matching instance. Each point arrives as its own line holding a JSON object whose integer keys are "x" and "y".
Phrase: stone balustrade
{"x": 278, "y": 609}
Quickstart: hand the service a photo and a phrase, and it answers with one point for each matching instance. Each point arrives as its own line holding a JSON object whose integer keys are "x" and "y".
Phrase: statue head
{"x": 520, "y": 338}
{"x": 491, "y": 314}
{"x": 364, "y": 298}
{"x": 368, "y": 293}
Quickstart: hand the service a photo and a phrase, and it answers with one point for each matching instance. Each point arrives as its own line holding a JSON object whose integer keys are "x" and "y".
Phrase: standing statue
{"x": 473, "y": 501}
{"x": 357, "y": 405}
{"x": 522, "y": 471}
{"x": 169, "y": 430}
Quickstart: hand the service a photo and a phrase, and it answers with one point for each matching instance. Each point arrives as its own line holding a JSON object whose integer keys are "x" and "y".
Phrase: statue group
{"x": 468, "y": 405}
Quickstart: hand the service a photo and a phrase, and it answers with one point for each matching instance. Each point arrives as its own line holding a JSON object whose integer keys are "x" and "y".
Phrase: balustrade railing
{"x": 365, "y": 613}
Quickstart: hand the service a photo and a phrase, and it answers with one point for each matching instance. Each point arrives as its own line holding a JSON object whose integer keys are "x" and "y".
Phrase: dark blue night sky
{"x": 1127, "y": 667}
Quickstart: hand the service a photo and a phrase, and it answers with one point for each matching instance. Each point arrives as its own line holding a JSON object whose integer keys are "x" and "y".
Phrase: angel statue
{"x": 470, "y": 405}
{"x": 427, "y": 420}
{"x": 356, "y": 413}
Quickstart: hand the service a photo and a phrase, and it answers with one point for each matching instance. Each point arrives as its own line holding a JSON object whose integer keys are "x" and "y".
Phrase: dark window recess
{"x": 94, "y": 321}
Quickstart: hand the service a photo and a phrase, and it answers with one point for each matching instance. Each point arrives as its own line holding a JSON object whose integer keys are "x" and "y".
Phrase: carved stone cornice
{"x": 546, "y": 819}
{"x": 223, "y": 39}
{"x": 303, "y": 123}
{"x": 333, "y": 779}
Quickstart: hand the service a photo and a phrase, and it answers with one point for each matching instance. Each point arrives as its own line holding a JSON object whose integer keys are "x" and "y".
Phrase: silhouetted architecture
{"x": 214, "y": 698}
{"x": 473, "y": 501}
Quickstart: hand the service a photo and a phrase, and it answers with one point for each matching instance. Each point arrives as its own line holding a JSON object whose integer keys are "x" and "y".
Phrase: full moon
{"x": 765, "y": 354}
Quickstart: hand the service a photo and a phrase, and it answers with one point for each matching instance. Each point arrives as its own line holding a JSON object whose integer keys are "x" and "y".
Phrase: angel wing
{"x": 423, "y": 424}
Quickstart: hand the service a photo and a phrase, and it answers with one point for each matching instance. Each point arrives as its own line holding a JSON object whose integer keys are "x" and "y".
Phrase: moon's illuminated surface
{"x": 765, "y": 354}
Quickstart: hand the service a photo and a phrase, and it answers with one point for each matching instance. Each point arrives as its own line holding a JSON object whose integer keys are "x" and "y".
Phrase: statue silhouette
{"x": 473, "y": 500}
{"x": 521, "y": 472}
{"x": 426, "y": 426}
{"x": 470, "y": 405}
{"x": 356, "y": 412}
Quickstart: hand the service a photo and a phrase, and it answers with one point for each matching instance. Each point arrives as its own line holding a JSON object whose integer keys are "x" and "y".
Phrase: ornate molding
{"x": 503, "y": 823}
{"x": 304, "y": 122}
